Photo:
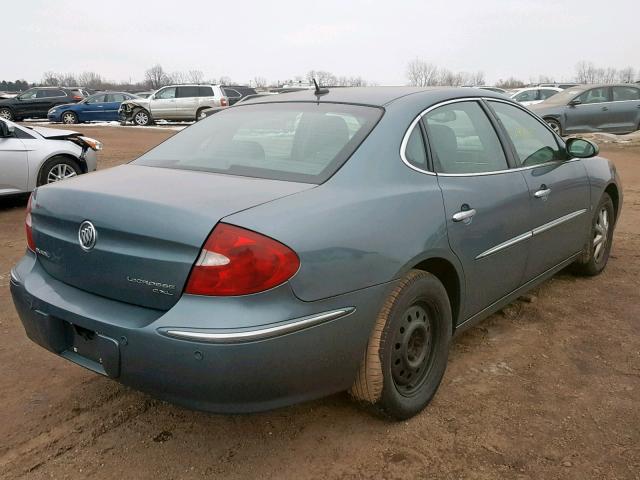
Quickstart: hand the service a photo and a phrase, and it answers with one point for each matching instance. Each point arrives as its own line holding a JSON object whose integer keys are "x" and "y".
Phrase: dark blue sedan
{"x": 100, "y": 107}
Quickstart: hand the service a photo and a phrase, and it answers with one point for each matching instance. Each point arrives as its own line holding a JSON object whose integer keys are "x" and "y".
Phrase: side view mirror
{"x": 575, "y": 102}
{"x": 582, "y": 148}
{"x": 6, "y": 130}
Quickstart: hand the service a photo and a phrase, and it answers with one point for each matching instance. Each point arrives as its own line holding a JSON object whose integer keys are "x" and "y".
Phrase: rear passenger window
{"x": 205, "y": 92}
{"x": 534, "y": 143}
{"x": 546, "y": 93}
{"x": 116, "y": 97}
{"x": 527, "y": 96}
{"x": 463, "y": 140}
{"x": 188, "y": 92}
{"x": 625, "y": 93}
{"x": 414, "y": 151}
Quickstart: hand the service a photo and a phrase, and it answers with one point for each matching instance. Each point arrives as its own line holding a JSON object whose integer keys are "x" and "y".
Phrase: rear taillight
{"x": 29, "y": 227}
{"x": 224, "y": 102}
{"x": 235, "y": 261}
{"x": 78, "y": 97}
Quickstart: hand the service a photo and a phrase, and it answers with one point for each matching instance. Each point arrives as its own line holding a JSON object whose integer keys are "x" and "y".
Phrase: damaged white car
{"x": 35, "y": 156}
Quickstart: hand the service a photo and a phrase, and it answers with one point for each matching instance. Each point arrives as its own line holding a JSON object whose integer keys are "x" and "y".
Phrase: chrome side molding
{"x": 531, "y": 233}
{"x": 243, "y": 336}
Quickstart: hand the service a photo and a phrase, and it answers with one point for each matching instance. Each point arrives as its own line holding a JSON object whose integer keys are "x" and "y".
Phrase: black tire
{"x": 49, "y": 167}
{"x": 594, "y": 260}
{"x": 139, "y": 117}
{"x": 7, "y": 114}
{"x": 69, "y": 118}
{"x": 555, "y": 125}
{"x": 200, "y": 115}
{"x": 407, "y": 352}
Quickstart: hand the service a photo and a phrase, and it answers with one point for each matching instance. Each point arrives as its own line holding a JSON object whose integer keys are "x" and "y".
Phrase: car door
{"x": 93, "y": 109}
{"x": 625, "y": 108}
{"x": 187, "y": 102}
{"x": 47, "y": 99}
{"x": 163, "y": 103}
{"x": 26, "y": 103}
{"x": 486, "y": 203}
{"x": 112, "y": 104}
{"x": 14, "y": 168}
{"x": 589, "y": 112}
{"x": 559, "y": 217}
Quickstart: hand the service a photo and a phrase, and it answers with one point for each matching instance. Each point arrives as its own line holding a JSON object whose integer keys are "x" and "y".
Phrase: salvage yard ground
{"x": 548, "y": 388}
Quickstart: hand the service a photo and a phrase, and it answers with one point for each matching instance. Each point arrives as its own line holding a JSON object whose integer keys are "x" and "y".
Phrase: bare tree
{"x": 627, "y": 75}
{"x": 322, "y": 77}
{"x": 195, "y": 76}
{"x": 478, "y": 78}
{"x": 90, "y": 80}
{"x": 176, "y": 78}
{"x": 50, "y": 79}
{"x": 421, "y": 73}
{"x": 156, "y": 77}
{"x": 260, "y": 82}
{"x": 510, "y": 82}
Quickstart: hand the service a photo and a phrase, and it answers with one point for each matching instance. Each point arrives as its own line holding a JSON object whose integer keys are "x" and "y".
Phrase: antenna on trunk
{"x": 320, "y": 91}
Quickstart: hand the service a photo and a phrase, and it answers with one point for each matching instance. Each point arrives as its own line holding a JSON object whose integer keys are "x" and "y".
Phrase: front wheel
{"x": 56, "y": 169}
{"x": 142, "y": 118}
{"x": 555, "y": 125}
{"x": 69, "y": 118}
{"x": 408, "y": 349}
{"x": 598, "y": 246}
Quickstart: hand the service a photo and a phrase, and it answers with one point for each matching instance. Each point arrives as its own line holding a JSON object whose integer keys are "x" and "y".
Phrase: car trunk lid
{"x": 150, "y": 225}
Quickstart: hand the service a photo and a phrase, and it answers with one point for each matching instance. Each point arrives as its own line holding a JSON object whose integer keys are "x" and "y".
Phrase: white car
{"x": 174, "y": 102}
{"x": 533, "y": 95}
{"x": 35, "y": 156}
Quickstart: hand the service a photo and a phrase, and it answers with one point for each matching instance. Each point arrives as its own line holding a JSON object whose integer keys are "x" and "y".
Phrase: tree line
{"x": 418, "y": 73}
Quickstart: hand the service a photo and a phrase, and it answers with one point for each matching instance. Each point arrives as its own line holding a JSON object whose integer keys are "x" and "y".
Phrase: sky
{"x": 281, "y": 39}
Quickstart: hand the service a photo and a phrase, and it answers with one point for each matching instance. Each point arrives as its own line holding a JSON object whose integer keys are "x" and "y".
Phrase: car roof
{"x": 375, "y": 96}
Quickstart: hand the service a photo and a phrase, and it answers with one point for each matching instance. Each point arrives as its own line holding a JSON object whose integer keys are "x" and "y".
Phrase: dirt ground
{"x": 549, "y": 388}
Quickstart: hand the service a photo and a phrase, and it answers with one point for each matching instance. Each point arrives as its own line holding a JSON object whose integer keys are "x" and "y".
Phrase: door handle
{"x": 543, "y": 193}
{"x": 604, "y": 109}
{"x": 464, "y": 215}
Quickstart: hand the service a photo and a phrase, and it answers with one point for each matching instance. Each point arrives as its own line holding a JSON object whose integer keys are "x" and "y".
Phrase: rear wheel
{"x": 201, "y": 114}
{"x": 555, "y": 125}
{"x": 58, "y": 168}
{"x": 142, "y": 118}
{"x": 408, "y": 349}
{"x": 6, "y": 113}
{"x": 69, "y": 118}
{"x": 598, "y": 247}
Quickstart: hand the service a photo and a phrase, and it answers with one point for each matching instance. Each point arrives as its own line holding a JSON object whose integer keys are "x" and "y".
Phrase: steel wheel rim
{"x": 142, "y": 118}
{"x": 601, "y": 234}
{"x": 412, "y": 349}
{"x": 6, "y": 114}
{"x": 59, "y": 172}
{"x": 68, "y": 118}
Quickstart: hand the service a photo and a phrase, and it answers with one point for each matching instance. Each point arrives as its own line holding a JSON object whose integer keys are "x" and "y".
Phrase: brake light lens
{"x": 78, "y": 97}
{"x": 236, "y": 261}
{"x": 224, "y": 102}
{"x": 31, "y": 245}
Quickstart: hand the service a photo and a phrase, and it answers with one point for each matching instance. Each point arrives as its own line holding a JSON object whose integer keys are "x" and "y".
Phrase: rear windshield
{"x": 300, "y": 142}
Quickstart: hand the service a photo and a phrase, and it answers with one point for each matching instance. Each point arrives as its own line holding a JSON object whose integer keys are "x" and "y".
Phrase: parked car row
{"x": 76, "y": 105}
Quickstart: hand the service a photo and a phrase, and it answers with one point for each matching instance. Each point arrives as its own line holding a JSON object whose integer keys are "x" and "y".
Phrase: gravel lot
{"x": 548, "y": 388}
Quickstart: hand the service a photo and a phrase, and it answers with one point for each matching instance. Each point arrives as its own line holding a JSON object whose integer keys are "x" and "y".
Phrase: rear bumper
{"x": 139, "y": 347}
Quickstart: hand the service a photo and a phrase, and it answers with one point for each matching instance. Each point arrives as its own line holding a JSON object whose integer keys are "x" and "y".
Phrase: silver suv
{"x": 175, "y": 102}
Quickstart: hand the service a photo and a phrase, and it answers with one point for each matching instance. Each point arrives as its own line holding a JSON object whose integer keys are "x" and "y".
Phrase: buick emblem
{"x": 87, "y": 235}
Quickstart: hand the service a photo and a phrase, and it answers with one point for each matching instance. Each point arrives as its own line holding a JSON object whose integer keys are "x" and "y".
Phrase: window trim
{"x": 500, "y": 132}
